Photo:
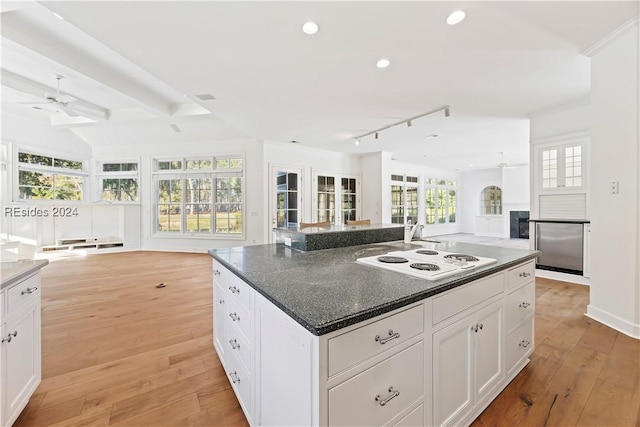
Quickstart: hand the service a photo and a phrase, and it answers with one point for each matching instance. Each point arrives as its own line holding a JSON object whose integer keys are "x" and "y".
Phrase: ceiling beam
{"x": 26, "y": 33}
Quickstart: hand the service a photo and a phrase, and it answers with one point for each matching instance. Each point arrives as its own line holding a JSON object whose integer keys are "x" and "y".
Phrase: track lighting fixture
{"x": 409, "y": 123}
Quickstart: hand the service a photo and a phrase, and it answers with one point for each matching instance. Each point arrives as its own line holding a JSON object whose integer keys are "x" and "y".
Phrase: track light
{"x": 409, "y": 123}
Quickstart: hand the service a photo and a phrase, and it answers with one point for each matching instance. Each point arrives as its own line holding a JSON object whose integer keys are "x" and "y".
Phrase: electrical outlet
{"x": 614, "y": 187}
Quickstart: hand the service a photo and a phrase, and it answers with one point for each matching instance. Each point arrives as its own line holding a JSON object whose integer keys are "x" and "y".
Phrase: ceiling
{"x": 136, "y": 67}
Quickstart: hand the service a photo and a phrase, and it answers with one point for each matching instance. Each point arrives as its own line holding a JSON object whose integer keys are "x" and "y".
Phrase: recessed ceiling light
{"x": 383, "y": 63}
{"x": 310, "y": 27}
{"x": 456, "y": 17}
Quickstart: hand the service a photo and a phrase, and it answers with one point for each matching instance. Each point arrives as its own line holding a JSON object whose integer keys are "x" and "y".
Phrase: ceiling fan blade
{"x": 70, "y": 111}
{"x": 65, "y": 99}
{"x": 34, "y": 103}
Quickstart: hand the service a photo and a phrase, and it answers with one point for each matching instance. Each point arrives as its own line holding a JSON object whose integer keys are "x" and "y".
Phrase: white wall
{"x": 515, "y": 192}
{"x": 560, "y": 121}
{"x": 615, "y": 219}
{"x": 472, "y": 184}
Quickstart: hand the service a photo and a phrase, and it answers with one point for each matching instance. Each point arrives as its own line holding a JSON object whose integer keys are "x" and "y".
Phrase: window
{"x": 118, "y": 182}
{"x": 49, "y": 178}
{"x": 326, "y": 199}
{"x": 200, "y": 196}
{"x": 491, "y": 201}
{"x": 561, "y": 167}
{"x": 440, "y": 201}
{"x": 349, "y": 200}
{"x": 404, "y": 199}
{"x": 336, "y": 198}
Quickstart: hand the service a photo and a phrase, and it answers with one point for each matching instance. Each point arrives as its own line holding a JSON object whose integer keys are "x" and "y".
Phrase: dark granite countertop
{"x": 11, "y": 272}
{"x": 326, "y": 290}
{"x": 337, "y": 228}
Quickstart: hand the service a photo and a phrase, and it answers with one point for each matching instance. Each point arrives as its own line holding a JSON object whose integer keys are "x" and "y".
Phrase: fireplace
{"x": 519, "y": 224}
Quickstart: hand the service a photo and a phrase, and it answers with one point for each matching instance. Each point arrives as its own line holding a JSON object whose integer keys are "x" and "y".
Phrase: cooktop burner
{"x": 461, "y": 257}
{"x": 426, "y": 252}
{"x": 392, "y": 259}
{"x": 424, "y": 266}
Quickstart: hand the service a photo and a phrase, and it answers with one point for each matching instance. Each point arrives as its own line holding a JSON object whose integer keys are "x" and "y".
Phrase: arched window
{"x": 491, "y": 201}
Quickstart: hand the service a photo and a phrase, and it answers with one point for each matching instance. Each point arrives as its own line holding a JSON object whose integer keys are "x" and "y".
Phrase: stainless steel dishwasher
{"x": 561, "y": 245}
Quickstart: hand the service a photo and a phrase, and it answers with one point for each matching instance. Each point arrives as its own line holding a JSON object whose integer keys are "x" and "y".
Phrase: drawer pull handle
{"x": 524, "y": 343}
{"x": 234, "y": 317}
{"x": 11, "y": 334}
{"x": 525, "y": 274}
{"x": 234, "y": 344}
{"x": 524, "y": 305}
{"x": 234, "y": 290}
{"x": 392, "y": 336}
{"x": 221, "y": 301}
{"x": 234, "y": 377}
{"x": 477, "y": 327}
{"x": 29, "y": 290}
{"x": 216, "y": 272}
{"x": 382, "y": 402}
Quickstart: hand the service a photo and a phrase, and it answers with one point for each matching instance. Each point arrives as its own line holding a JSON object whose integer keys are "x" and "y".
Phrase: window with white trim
{"x": 118, "y": 181}
{"x": 562, "y": 167}
{"x": 440, "y": 201}
{"x": 336, "y": 197}
{"x": 42, "y": 177}
{"x": 404, "y": 199}
{"x": 199, "y": 196}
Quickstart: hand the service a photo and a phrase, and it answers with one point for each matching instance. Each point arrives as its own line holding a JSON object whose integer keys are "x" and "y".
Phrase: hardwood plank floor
{"x": 116, "y": 350}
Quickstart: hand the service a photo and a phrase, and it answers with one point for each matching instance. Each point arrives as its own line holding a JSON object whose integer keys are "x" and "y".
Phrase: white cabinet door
{"x": 452, "y": 392}
{"x": 219, "y": 303}
{"x": 21, "y": 361}
{"x": 487, "y": 349}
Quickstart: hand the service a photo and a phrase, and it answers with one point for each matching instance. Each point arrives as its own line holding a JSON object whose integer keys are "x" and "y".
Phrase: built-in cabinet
{"x": 20, "y": 368}
{"x": 438, "y": 361}
{"x": 490, "y": 225}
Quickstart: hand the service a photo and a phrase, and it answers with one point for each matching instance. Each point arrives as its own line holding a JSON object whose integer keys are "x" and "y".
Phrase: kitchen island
{"x": 316, "y": 338}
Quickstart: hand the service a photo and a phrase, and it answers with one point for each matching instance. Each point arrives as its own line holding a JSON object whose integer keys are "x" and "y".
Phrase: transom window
{"x": 200, "y": 196}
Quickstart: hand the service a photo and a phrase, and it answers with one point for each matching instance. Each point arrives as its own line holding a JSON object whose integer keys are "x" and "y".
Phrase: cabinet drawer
{"x": 240, "y": 381}
{"x": 460, "y": 299}
{"x": 520, "y": 304}
{"x": 238, "y": 319}
{"x": 237, "y": 289}
{"x": 348, "y": 349}
{"x": 519, "y": 344}
{"x": 520, "y": 274}
{"x": 1, "y": 308}
{"x": 380, "y": 393}
{"x": 415, "y": 418}
{"x": 236, "y": 343}
{"x": 22, "y": 294}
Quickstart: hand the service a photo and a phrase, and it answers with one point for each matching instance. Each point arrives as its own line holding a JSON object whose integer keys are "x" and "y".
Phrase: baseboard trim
{"x": 619, "y": 324}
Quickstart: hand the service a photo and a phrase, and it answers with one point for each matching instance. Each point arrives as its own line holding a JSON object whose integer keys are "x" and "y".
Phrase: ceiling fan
{"x": 502, "y": 164}
{"x": 58, "y": 100}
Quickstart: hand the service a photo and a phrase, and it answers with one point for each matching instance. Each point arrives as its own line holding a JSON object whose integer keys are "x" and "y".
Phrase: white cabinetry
{"x": 437, "y": 361}
{"x": 20, "y": 368}
{"x": 233, "y": 323}
{"x": 467, "y": 351}
{"x": 490, "y": 225}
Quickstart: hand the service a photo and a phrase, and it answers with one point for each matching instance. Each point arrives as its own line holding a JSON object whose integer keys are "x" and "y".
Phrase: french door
{"x": 285, "y": 198}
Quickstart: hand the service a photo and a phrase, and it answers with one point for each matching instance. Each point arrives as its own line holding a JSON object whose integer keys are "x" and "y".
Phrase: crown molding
{"x": 611, "y": 37}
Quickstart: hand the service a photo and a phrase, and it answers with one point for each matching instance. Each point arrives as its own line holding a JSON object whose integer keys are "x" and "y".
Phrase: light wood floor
{"x": 116, "y": 350}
